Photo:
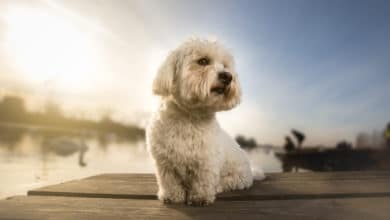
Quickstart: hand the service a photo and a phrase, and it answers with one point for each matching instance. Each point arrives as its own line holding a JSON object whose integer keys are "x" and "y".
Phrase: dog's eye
{"x": 204, "y": 61}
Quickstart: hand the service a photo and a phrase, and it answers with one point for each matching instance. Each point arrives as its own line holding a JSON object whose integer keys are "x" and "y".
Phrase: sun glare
{"x": 47, "y": 47}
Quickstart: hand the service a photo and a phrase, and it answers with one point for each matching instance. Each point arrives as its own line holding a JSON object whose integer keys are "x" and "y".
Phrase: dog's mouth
{"x": 220, "y": 90}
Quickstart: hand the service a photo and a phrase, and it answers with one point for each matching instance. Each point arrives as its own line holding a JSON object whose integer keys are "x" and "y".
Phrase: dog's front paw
{"x": 198, "y": 202}
{"x": 195, "y": 200}
{"x": 169, "y": 198}
{"x": 168, "y": 201}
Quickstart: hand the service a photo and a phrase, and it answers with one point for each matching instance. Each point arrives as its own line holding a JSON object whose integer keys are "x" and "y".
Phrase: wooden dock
{"x": 335, "y": 195}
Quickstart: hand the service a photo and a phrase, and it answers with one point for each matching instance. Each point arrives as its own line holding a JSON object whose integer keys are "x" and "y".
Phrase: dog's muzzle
{"x": 224, "y": 79}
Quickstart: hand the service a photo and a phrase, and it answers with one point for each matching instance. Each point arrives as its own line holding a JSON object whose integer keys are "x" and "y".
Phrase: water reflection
{"x": 9, "y": 137}
{"x": 31, "y": 157}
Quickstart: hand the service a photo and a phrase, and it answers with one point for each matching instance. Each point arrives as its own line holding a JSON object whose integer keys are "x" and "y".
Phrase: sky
{"x": 321, "y": 67}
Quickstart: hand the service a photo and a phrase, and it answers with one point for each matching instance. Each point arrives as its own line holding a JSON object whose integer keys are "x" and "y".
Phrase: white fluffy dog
{"x": 195, "y": 158}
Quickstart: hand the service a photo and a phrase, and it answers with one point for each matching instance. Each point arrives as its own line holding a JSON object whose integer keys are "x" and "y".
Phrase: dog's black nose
{"x": 225, "y": 77}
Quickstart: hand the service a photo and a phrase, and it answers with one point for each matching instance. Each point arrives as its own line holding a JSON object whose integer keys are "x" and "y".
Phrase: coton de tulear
{"x": 195, "y": 158}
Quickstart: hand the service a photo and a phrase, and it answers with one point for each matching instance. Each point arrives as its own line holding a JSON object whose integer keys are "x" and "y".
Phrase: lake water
{"x": 31, "y": 159}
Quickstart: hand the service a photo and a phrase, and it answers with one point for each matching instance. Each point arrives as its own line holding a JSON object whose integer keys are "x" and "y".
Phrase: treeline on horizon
{"x": 12, "y": 110}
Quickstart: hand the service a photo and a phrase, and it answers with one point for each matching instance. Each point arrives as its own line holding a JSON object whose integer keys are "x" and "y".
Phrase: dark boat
{"x": 335, "y": 159}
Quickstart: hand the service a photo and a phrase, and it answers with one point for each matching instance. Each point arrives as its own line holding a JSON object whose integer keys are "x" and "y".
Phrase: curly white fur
{"x": 195, "y": 158}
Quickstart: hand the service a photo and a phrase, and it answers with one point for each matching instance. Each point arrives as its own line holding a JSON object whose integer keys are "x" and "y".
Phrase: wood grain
{"x": 275, "y": 187}
{"x": 52, "y": 207}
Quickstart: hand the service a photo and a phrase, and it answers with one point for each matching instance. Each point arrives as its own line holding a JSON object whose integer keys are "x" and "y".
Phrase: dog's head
{"x": 199, "y": 74}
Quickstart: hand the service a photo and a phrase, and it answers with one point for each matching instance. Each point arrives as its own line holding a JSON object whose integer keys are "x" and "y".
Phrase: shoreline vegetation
{"x": 14, "y": 114}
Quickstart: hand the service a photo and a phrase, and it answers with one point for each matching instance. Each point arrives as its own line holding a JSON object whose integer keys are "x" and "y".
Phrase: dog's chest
{"x": 188, "y": 138}
{"x": 194, "y": 134}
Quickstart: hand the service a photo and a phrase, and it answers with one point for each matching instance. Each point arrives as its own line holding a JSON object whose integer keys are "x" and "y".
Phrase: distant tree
{"x": 387, "y": 135}
{"x": 106, "y": 119}
{"x": 299, "y": 136}
{"x": 52, "y": 109}
{"x": 14, "y": 104}
{"x": 378, "y": 140}
{"x": 251, "y": 142}
{"x": 246, "y": 143}
{"x": 344, "y": 145}
{"x": 240, "y": 139}
{"x": 12, "y": 108}
{"x": 362, "y": 140}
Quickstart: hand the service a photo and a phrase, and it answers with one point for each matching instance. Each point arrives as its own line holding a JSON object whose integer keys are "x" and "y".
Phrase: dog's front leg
{"x": 203, "y": 188}
{"x": 170, "y": 187}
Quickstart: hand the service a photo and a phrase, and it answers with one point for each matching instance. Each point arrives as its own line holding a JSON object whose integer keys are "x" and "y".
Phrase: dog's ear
{"x": 163, "y": 82}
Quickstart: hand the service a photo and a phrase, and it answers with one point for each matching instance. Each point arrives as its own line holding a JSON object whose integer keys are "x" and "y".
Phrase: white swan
{"x": 65, "y": 146}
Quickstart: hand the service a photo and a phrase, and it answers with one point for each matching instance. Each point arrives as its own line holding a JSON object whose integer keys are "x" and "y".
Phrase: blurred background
{"x": 75, "y": 83}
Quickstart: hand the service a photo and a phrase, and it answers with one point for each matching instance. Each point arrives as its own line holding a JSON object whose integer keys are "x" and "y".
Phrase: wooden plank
{"x": 355, "y": 175}
{"x": 51, "y": 207}
{"x": 276, "y": 186}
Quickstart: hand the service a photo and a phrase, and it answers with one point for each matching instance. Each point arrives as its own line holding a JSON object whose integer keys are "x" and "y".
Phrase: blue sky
{"x": 318, "y": 66}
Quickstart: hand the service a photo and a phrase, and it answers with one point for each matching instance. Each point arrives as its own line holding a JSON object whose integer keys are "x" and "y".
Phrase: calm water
{"x": 31, "y": 159}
